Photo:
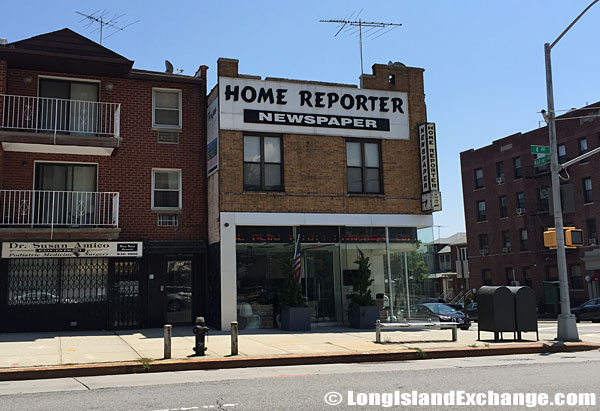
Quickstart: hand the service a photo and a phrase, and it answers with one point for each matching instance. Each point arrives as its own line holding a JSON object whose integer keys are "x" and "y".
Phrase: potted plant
{"x": 295, "y": 315}
{"x": 363, "y": 311}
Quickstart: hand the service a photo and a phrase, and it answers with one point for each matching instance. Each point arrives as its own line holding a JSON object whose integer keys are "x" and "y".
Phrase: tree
{"x": 361, "y": 281}
{"x": 289, "y": 294}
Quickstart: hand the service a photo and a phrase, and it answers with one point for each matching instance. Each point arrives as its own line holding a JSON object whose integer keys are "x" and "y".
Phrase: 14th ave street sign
{"x": 540, "y": 150}
{"x": 541, "y": 161}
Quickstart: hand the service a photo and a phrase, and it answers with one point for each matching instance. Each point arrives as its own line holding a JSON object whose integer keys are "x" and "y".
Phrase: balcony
{"x": 28, "y": 120}
{"x": 55, "y": 210}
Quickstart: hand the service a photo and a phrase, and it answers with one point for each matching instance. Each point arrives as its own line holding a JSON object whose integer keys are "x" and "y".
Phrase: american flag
{"x": 297, "y": 260}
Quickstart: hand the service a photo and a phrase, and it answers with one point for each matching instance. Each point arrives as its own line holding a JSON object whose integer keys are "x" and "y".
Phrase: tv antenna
{"x": 102, "y": 18}
{"x": 373, "y": 30}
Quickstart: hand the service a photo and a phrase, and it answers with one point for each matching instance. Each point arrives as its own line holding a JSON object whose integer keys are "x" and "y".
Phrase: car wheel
{"x": 577, "y": 320}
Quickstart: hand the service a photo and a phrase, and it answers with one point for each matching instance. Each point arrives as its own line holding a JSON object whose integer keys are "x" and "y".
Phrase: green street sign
{"x": 541, "y": 161}
{"x": 540, "y": 149}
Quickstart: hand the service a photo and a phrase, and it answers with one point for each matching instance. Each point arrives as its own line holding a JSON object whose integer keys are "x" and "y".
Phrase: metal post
{"x": 167, "y": 341}
{"x": 389, "y": 267}
{"x": 407, "y": 285}
{"x": 234, "y": 338}
{"x": 567, "y": 328}
{"x": 378, "y": 331}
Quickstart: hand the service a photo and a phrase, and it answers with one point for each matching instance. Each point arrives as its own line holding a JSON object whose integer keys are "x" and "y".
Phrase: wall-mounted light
{"x": 27, "y": 80}
{"x": 109, "y": 86}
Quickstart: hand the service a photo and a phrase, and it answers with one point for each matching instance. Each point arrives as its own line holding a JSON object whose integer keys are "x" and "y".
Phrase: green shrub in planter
{"x": 363, "y": 311}
{"x": 295, "y": 315}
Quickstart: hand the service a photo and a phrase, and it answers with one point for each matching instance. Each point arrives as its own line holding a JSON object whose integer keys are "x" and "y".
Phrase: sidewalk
{"x": 131, "y": 350}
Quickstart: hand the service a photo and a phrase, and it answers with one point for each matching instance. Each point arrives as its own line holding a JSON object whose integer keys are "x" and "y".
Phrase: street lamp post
{"x": 567, "y": 328}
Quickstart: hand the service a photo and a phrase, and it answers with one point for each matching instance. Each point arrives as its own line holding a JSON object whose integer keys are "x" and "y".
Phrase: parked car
{"x": 471, "y": 311}
{"x": 443, "y": 313}
{"x": 588, "y": 311}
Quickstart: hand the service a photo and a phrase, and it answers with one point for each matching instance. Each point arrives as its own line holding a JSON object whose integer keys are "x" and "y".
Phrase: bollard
{"x": 201, "y": 331}
{"x": 234, "y": 338}
{"x": 167, "y": 341}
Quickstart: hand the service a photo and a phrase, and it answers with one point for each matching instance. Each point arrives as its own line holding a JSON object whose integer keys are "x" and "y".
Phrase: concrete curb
{"x": 135, "y": 367}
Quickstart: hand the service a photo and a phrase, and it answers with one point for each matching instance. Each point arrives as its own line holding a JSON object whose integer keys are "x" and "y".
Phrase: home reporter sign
{"x": 307, "y": 108}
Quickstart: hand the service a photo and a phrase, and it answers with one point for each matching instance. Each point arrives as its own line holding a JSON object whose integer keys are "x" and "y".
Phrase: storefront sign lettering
{"x": 71, "y": 249}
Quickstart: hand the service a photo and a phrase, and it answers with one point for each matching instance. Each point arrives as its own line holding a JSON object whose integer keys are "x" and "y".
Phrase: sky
{"x": 483, "y": 59}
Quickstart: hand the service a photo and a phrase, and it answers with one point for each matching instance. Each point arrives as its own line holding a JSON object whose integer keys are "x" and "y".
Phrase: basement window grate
{"x": 168, "y": 220}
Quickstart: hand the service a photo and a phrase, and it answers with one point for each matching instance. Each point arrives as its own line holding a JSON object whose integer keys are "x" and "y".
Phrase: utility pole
{"x": 567, "y": 327}
{"x": 373, "y": 30}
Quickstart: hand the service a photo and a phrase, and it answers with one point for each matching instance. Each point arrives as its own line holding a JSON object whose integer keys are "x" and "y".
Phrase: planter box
{"x": 295, "y": 318}
{"x": 364, "y": 317}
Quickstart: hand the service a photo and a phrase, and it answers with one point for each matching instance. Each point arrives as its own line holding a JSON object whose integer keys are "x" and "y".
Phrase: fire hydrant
{"x": 201, "y": 331}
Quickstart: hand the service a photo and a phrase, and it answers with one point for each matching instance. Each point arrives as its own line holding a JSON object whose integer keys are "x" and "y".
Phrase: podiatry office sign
{"x": 73, "y": 249}
{"x": 307, "y": 108}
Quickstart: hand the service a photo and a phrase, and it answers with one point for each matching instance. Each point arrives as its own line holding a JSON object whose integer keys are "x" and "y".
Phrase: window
{"x": 166, "y": 108}
{"x": 262, "y": 163}
{"x": 486, "y": 276}
{"x": 562, "y": 153}
{"x": 521, "y": 201}
{"x": 478, "y": 178}
{"x": 363, "y": 167}
{"x": 483, "y": 243}
{"x": 462, "y": 254}
{"x": 524, "y": 238}
{"x": 500, "y": 170}
{"x": 509, "y": 275}
{"x": 552, "y": 273}
{"x": 505, "y": 241}
{"x": 517, "y": 167}
{"x": 543, "y": 199}
{"x": 503, "y": 209}
{"x": 445, "y": 263}
{"x": 587, "y": 190}
{"x": 591, "y": 229}
{"x": 576, "y": 277}
{"x": 583, "y": 148}
{"x": 166, "y": 189}
{"x": 481, "y": 216}
{"x": 527, "y": 276}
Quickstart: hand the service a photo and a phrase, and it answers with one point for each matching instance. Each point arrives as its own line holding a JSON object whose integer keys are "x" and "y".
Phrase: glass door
{"x": 321, "y": 284}
{"x": 178, "y": 289}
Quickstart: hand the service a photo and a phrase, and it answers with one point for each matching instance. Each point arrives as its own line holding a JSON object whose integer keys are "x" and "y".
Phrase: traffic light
{"x": 573, "y": 237}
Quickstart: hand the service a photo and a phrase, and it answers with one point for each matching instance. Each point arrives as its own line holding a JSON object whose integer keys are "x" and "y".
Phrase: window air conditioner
{"x": 505, "y": 249}
{"x": 483, "y": 251}
{"x": 500, "y": 180}
{"x": 593, "y": 241}
{"x": 520, "y": 211}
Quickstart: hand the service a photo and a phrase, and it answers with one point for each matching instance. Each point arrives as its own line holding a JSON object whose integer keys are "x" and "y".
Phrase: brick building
{"x": 102, "y": 188}
{"x": 508, "y": 205}
{"x": 335, "y": 166}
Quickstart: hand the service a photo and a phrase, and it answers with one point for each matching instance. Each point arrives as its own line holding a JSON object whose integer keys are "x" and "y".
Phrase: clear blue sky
{"x": 483, "y": 60}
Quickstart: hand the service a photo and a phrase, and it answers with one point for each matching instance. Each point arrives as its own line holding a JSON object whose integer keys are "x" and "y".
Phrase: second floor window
{"x": 166, "y": 189}
{"x": 262, "y": 163}
{"x": 588, "y": 196}
{"x": 500, "y": 171}
{"x": 363, "y": 167}
{"x": 166, "y": 108}
{"x": 483, "y": 243}
{"x": 503, "y": 208}
{"x": 517, "y": 167}
{"x": 562, "y": 153}
{"x": 481, "y": 216}
{"x": 478, "y": 178}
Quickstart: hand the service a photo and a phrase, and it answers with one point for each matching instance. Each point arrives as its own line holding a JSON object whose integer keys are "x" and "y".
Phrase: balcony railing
{"x": 38, "y": 208}
{"x": 60, "y": 116}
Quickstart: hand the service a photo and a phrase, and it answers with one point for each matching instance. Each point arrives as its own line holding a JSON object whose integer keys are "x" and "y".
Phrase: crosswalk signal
{"x": 573, "y": 237}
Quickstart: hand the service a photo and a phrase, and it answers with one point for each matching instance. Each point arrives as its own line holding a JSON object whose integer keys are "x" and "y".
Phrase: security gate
{"x": 125, "y": 295}
{"x": 50, "y": 294}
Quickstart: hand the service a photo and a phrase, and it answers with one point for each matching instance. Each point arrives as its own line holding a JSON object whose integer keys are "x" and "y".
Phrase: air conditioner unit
{"x": 500, "y": 180}
{"x": 483, "y": 251}
{"x": 520, "y": 211}
{"x": 593, "y": 241}
{"x": 505, "y": 249}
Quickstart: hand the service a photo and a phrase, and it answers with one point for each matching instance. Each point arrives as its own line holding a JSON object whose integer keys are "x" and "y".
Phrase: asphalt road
{"x": 305, "y": 387}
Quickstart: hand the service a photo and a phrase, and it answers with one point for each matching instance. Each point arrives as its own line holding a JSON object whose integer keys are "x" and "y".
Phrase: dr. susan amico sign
{"x": 307, "y": 108}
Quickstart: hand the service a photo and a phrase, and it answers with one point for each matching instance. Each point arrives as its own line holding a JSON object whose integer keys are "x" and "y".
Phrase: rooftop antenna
{"x": 374, "y": 29}
{"x": 102, "y": 18}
